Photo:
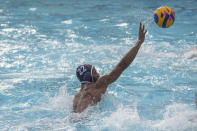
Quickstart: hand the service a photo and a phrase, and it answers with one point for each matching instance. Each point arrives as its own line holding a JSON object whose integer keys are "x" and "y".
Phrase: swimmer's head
{"x": 87, "y": 73}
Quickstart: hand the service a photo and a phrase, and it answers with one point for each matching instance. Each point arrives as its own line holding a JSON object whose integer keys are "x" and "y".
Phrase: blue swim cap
{"x": 84, "y": 73}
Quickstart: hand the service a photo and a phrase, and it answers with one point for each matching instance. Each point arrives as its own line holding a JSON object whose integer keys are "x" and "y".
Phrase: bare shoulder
{"x": 110, "y": 77}
{"x": 103, "y": 81}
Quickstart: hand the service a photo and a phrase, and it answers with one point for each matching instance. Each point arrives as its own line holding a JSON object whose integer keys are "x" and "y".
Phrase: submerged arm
{"x": 190, "y": 54}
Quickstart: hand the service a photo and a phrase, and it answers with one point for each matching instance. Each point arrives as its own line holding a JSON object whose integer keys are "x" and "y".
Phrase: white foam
{"x": 5, "y": 85}
{"x": 177, "y": 117}
{"x": 5, "y": 48}
{"x": 122, "y": 25}
{"x": 150, "y": 50}
{"x": 3, "y": 25}
{"x": 71, "y": 34}
{"x": 104, "y": 20}
{"x": 67, "y": 22}
{"x": 51, "y": 44}
{"x": 9, "y": 29}
{"x": 62, "y": 101}
{"x": 32, "y": 9}
{"x": 121, "y": 118}
{"x": 127, "y": 41}
{"x": 1, "y": 10}
{"x": 18, "y": 32}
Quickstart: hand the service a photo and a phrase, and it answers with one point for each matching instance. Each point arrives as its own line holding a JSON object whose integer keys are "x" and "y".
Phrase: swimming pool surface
{"x": 43, "y": 41}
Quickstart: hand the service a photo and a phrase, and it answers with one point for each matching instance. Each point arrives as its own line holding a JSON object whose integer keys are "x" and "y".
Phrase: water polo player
{"x": 93, "y": 85}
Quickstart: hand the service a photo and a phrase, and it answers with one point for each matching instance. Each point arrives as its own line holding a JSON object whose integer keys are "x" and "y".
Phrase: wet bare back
{"x": 91, "y": 93}
{"x": 88, "y": 95}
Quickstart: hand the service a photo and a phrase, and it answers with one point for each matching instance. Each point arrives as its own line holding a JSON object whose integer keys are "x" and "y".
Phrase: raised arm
{"x": 125, "y": 61}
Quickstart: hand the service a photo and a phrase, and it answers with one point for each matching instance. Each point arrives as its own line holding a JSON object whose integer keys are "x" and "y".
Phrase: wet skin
{"x": 91, "y": 93}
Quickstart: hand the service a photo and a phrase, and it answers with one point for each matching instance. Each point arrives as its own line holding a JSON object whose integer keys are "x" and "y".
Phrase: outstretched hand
{"x": 142, "y": 33}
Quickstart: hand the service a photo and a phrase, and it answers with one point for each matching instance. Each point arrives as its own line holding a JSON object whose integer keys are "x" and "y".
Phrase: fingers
{"x": 142, "y": 28}
{"x": 140, "y": 25}
{"x": 145, "y": 31}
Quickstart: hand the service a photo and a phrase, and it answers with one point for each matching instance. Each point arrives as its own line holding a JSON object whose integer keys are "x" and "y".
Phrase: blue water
{"x": 43, "y": 41}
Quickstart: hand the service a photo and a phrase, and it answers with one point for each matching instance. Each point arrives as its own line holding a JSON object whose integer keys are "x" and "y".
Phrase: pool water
{"x": 43, "y": 41}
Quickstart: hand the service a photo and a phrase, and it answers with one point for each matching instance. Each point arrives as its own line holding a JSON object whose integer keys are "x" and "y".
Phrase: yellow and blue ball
{"x": 164, "y": 17}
